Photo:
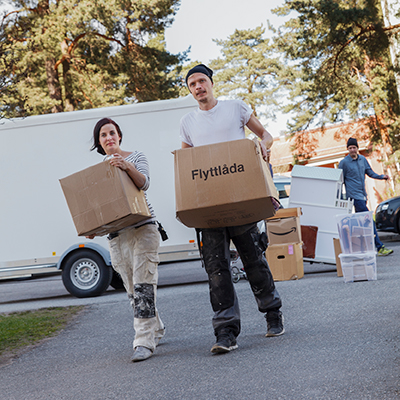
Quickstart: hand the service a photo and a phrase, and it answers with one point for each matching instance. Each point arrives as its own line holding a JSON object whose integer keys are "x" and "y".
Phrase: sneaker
{"x": 141, "y": 353}
{"x": 274, "y": 323}
{"x": 383, "y": 251}
{"x": 226, "y": 342}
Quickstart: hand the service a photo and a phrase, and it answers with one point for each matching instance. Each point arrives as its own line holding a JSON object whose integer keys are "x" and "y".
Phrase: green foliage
{"x": 27, "y": 328}
{"x": 338, "y": 53}
{"x": 64, "y": 55}
{"x": 248, "y": 70}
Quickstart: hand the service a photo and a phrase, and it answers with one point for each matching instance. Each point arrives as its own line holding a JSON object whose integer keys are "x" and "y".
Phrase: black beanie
{"x": 352, "y": 142}
{"x": 202, "y": 69}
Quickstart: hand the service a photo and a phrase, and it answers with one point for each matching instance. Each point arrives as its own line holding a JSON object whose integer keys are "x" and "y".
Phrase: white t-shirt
{"x": 223, "y": 123}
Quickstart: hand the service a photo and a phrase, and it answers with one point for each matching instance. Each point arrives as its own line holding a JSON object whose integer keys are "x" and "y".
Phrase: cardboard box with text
{"x": 223, "y": 184}
{"x": 103, "y": 199}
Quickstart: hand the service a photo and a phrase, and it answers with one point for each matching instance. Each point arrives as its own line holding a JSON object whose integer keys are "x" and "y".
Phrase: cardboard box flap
{"x": 287, "y": 212}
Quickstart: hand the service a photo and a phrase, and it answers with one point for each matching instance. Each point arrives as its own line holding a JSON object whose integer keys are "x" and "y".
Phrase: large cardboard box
{"x": 223, "y": 184}
{"x": 103, "y": 199}
{"x": 285, "y": 261}
{"x": 284, "y": 226}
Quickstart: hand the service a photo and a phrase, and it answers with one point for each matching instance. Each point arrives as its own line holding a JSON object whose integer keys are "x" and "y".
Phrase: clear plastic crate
{"x": 356, "y": 232}
{"x": 358, "y": 267}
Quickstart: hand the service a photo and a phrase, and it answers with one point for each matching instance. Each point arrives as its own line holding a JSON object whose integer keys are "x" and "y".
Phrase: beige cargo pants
{"x": 134, "y": 255}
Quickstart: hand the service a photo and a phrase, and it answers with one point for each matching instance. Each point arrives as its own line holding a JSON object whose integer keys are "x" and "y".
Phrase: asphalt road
{"x": 341, "y": 342}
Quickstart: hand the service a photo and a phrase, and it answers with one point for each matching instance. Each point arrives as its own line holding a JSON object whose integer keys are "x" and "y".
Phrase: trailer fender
{"x": 104, "y": 253}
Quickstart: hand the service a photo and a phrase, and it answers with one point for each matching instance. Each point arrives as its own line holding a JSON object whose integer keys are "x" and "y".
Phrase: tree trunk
{"x": 53, "y": 84}
{"x": 69, "y": 98}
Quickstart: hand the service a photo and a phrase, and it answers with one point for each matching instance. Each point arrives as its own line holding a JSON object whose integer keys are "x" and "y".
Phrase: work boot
{"x": 141, "y": 353}
{"x": 274, "y": 323}
{"x": 226, "y": 342}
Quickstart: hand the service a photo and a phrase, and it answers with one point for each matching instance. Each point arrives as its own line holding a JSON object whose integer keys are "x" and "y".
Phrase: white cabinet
{"x": 317, "y": 191}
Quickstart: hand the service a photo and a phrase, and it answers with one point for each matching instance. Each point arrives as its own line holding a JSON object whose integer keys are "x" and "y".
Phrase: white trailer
{"x": 37, "y": 233}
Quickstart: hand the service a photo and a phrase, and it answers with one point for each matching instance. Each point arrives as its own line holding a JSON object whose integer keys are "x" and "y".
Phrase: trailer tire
{"x": 85, "y": 274}
{"x": 116, "y": 281}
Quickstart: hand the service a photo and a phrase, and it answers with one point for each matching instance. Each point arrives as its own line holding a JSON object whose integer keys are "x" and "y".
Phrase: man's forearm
{"x": 256, "y": 127}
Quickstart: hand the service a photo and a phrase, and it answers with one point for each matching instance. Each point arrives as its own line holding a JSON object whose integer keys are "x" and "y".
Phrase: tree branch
{"x": 370, "y": 28}
{"x": 76, "y": 40}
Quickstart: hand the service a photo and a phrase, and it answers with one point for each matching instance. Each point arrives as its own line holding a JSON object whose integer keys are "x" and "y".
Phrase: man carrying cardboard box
{"x": 218, "y": 121}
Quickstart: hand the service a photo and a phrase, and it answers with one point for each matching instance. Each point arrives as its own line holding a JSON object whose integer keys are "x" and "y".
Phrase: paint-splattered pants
{"x": 134, "y": 255}
{"x": 216, "y": 254}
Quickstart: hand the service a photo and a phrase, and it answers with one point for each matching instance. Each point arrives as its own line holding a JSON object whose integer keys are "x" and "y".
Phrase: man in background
{"x": 354, "y": 167}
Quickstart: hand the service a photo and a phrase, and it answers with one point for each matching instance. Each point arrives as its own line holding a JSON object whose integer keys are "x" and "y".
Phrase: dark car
{"x": 387, "y": 215}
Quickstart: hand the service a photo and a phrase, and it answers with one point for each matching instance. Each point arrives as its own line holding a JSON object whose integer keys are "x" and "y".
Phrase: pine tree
{"x": 338, "y": 52}
{"x": 68, "y": 55}
{"x": 248, "y": 70}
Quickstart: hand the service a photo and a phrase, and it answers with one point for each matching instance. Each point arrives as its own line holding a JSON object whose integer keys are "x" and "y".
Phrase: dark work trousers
{"x": 216, "y": 256}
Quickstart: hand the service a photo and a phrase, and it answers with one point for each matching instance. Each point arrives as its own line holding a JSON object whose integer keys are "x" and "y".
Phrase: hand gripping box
{"x": 284, "y": 226}
{"x": 103, "y": 199}
{"x": 223, "y": 184}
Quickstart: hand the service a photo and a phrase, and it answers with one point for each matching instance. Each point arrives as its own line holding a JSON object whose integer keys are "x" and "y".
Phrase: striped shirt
{"x": 139, "y": 160}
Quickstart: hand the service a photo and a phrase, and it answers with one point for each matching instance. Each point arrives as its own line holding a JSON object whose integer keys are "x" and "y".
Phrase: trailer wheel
{"x": 116, "y": 281}
{"x": 85, "y": 274}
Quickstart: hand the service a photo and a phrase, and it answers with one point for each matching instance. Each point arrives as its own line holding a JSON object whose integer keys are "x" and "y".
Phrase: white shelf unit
{"x": 317, "y": 191}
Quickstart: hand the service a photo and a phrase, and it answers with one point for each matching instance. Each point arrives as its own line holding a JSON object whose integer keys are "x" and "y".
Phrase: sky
{"x": 197, "y": 22}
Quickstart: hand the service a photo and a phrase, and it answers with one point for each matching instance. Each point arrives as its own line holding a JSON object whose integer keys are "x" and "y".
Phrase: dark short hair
{"x": 96, "y": 134}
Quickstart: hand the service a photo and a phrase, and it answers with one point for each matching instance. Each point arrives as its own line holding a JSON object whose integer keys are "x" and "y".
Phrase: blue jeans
{"x": 361, "y": 206}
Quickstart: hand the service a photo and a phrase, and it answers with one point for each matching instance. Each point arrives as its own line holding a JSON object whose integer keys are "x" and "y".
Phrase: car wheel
{"x": 85, "y": 274}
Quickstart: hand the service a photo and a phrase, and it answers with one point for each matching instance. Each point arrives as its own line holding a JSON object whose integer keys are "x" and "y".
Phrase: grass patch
{"x": 21, "y": 329}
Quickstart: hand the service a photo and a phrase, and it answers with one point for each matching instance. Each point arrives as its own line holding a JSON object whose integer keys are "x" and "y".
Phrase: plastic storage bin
{"x": 356, "y": 233}
{"x": 358, "y": 267}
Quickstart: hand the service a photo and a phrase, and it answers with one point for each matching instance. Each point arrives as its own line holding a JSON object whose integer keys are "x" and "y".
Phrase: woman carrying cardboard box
{"x": 134, "y": 250}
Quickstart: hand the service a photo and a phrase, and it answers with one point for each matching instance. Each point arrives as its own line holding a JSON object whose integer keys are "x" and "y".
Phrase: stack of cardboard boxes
{"x": 285, "y": 253}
